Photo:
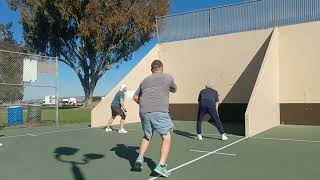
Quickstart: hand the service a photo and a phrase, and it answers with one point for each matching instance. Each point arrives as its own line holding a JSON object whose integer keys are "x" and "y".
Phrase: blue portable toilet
{"x": 15, "y": 115}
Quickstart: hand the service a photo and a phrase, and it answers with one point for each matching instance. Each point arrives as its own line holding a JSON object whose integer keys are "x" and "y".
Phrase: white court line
{"x": 280, "y": 139}
{"x": 118, "y": 128}
{"x": 132, "y": 129}
{"x": 65, "y": 130}
{"x": 199, "y": 151}
{"x": 197, "y": 159}
{"x": 40, "y": 133}
{"x": 227, "y": 154}
{"x": 230, "y": 135}
{"x": 6, "y": 137}
{"x": 269, "y": 138}
{"x": 208, "y": 134}
{"x": 50, "y": 132}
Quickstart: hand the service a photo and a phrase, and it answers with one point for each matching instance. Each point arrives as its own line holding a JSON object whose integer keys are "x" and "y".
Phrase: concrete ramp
{"x": 263, "y": 111}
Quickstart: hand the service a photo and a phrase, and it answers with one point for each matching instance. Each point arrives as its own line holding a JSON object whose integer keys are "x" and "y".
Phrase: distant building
{"x": 49, "y": 100}
{"x": 65, "y": 101}
{"x": 73, "y": 101}
{"x": 70, "y": 101}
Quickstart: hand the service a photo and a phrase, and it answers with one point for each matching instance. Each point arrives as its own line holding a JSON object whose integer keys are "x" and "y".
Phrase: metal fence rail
{"x": 28, "y": 89}
{"x": 241, "y": 17}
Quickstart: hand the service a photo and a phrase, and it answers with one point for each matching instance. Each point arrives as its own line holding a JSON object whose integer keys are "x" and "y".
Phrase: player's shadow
{"x": 75, "y": 165}
{"x": 190, "y": 135}
{"x": 130, "y": 153}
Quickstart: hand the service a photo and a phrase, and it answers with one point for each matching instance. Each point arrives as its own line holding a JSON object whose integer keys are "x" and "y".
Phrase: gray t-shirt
{"x": 154, "y": 92}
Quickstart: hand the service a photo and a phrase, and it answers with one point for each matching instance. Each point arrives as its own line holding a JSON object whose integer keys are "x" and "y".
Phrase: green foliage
{"x": 10, "y": 66}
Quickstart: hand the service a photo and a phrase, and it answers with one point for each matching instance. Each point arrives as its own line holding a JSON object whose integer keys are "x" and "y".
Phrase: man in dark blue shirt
{"x": 208, "y": 103}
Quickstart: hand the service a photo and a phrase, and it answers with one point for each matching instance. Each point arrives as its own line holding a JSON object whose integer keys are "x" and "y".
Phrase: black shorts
{"x": 117, "y": 111}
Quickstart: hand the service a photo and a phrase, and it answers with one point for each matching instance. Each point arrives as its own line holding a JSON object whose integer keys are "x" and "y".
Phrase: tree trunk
{"x": 88, "y": 87}
{"x": 88, "y": 97}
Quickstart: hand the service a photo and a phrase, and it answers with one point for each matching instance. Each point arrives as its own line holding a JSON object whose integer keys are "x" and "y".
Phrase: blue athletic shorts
{"x": 156, "y": 121}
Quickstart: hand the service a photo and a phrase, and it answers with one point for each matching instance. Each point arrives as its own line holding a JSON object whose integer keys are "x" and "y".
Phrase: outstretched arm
{"x": 122, "y": 105}
{"x": 217, "y": 103}
{"x": 173, "y": 86}
{"x": 136, "y": 99}
{"x": 137, "y": 95}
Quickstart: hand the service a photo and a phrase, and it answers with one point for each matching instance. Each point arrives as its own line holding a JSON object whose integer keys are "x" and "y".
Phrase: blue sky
{"x": 69, "y": 84}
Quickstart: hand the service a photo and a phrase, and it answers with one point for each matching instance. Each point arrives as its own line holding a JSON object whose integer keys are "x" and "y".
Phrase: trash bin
{"x": 15, "y": 115}
{"x": 33, "y": 114}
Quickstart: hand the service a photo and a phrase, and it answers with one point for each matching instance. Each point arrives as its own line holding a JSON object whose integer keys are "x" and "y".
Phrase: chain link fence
{"x": 28, "y": 90}
{"x": 241, "y": 17}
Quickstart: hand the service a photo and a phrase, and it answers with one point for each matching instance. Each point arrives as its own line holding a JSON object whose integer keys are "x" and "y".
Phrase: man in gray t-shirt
{"x": 153, "y": 99}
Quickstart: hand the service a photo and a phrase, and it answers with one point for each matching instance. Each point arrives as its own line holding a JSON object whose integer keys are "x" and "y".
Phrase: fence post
{"x": 209, "y": 11}
{"x": 157, "y": 29}
{"x": 56, "y": 93}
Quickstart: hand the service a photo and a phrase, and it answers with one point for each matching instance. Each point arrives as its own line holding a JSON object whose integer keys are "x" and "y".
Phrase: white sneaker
{"x": 122, "y": 131}
{"x": 108, "y": 129}
{"x": 1, "y": 144}
{"x": 224, "y": 137}
{"x": 198, "y": 137}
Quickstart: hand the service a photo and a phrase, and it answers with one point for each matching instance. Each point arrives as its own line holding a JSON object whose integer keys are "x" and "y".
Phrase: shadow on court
{"x": 130, "y": 153}
{"x": 75, "y": 169}
{"x": 190, "y": 135}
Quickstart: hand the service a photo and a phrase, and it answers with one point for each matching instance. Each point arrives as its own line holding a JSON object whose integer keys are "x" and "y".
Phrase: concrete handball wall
{"x": 102, "y": 113}
{"x": 231, "y": 63}
{"x": 263, "y": 110}
{"x": 299, "y": 73}
{"x": 219, "y": 60}
{"x": 299, "y": 52}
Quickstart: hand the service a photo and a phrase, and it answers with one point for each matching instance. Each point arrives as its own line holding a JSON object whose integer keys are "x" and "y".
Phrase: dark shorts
{"x": 117, "y": 111}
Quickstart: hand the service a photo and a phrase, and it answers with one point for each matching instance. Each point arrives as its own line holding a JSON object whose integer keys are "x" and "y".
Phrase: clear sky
{"x": 69, "y": 85}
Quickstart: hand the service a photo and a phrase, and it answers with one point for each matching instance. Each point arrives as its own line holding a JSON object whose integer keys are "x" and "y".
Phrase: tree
{"x": 5, "y": 32}
{"x": 11, "y": 66}
{"x": 90, "y": 36}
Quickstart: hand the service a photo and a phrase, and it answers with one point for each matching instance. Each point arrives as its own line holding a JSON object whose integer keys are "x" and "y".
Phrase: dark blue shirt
{"x": 208, "y": 95}
{"x": 117, "y": 98}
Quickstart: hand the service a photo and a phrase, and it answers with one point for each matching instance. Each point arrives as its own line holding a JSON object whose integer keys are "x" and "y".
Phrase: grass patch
{"x": 76, "y": 115}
